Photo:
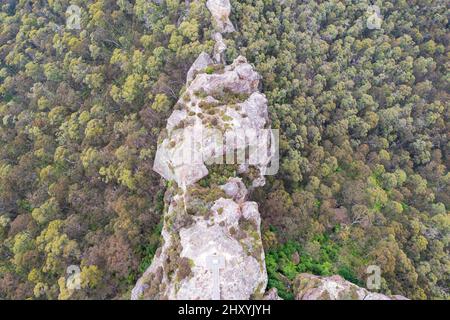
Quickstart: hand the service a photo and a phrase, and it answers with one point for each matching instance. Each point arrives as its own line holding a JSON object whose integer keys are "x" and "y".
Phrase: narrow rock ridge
{"x": 208, "y": 217}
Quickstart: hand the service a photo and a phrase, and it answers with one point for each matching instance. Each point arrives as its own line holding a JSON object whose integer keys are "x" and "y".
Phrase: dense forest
{"x": 364, "y": 139}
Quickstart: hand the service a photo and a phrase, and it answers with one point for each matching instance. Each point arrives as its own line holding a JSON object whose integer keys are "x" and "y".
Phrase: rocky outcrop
{"x": 221, "y": 114}
{"x": 219, "y": 48}
{"x": 211, "y": 240}
{"x": 311, "y": 287}
{"x": 271, "y": 294}
{"x": 199, "y": 64}
{"x": 220, "y": 11}
{"x": 197, "y": 229}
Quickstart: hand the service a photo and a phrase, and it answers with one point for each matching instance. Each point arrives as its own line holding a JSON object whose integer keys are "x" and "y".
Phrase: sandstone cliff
{"x": 209, "y": 219}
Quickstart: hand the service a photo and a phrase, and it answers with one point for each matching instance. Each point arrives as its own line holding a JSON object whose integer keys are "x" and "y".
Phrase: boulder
{"x": 220, "y": 11}
{"x": 202, "y": 61}
{"x": 220, "y": 114}
{"x": 311, "y": 287}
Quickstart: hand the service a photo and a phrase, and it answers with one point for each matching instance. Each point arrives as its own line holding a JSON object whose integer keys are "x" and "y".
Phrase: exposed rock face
{"x": 211, "y": 240}
{"x": 272, "y": 294}
{"x": 199, "y": 64}
{"x": 197, "y": 228}
{"x": 220, "y": 103}
{"x": 220, "y": 10}
{"x": 213, "y": 222}
{"x": 310, "y": 287}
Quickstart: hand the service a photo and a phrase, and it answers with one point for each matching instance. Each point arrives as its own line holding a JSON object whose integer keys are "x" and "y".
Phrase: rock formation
{"x": 220, "y": 103}
{"x": 227, "y": 227}
{"x": 219, "y": 48}
{"x": 210, "y": 218}
{"x": 220, "y": 11}
{"x": 310, "y": 287}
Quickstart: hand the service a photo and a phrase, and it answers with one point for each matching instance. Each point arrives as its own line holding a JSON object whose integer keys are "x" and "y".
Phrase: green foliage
{"x": 209, "y": 70}
{"x": 161, "y": 104}
{"x": 218, "y": 175}
{"x": 148, "y": 250}
{"x": 282, "y": 266}
{"x": 348, "y": 274}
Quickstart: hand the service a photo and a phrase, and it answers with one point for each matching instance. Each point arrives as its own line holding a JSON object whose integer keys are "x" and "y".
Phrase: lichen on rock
{"x": 229, "y": 228}
{"x": 220, "y": 107}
